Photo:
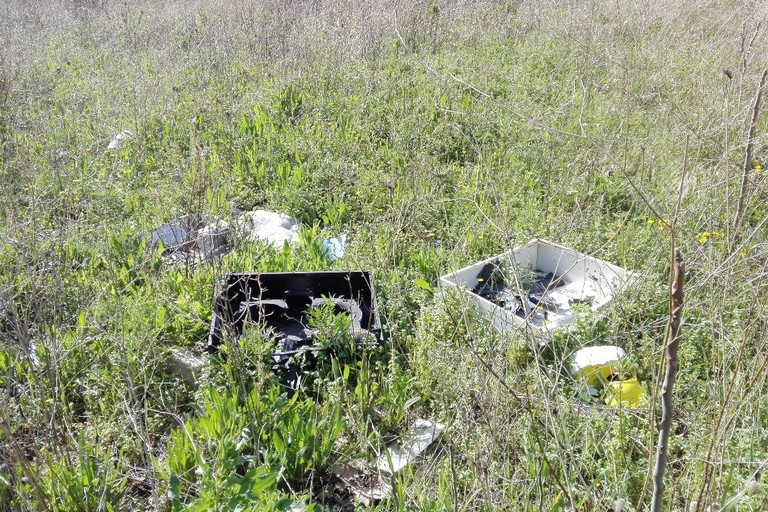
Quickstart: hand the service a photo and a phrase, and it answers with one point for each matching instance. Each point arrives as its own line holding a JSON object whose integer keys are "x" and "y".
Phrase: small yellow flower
{"x": 758, "y": 168}
{"x": 704, "y": 236}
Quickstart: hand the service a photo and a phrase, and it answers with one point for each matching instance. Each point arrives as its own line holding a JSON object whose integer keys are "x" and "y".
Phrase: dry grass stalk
{"x": 673, "y": 340}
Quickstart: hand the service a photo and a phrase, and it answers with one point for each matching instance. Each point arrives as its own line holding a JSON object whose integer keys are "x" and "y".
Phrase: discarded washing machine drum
{"x": 281, "y": 303}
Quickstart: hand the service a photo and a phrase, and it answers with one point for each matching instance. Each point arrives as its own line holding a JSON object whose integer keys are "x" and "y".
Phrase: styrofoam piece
{"x": 186, "y": 364}
{"x": 418, "y": 438}
{"x": 585, "y": 279}
{"x": 596, "y": 356}
{"x": 276, "y": 228}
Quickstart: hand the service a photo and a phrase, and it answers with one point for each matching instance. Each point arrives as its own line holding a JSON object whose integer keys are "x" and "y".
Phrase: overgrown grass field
{"x": 434, "y": 134}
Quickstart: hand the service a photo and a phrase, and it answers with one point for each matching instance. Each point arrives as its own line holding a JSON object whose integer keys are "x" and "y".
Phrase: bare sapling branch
{"x": 743, "y": 190}
{"x": 673, "y": 340}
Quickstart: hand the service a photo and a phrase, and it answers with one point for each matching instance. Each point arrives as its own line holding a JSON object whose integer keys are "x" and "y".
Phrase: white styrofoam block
{"x": 596, "y": 356}
{"x": 585, "y": 279}
{"x": 276, "y": 228}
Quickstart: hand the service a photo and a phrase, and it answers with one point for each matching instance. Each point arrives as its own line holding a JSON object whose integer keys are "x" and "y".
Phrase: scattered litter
{"x": 174, "y": 235}
{"x": 540, "y": 286}
{"x": 368, "y": 489}
{"x": 398, "y": 455}
{"x": 193, "y": 236}
{"x": 334, "y": 247}
{"x": 198, "y": 237}
{"x": 213, "y": 240}
{"x": 180, "y": 233}
{"x": 185, "y": 363}
{"x": 280, "y": 302}
{"x": 276, "y": 228}
{"x": 608, "y": 375}
{"x": 120, "y": 137}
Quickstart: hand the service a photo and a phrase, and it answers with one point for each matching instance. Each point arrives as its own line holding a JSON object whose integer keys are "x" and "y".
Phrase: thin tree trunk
{"x": 740, "y": 206}
{"x": 673, "y": 340}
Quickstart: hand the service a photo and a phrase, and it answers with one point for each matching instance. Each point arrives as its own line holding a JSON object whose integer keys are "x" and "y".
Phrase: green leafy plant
{"x": 93, "y": 481}
{"x": 238, "y": 448}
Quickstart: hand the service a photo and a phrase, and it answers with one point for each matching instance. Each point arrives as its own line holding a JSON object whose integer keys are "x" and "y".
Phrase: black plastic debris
{"x": 488, "y": 284}
{"x": 534, "y": 295}
{"x": 540, "y": 287}
{"x": 281, "y": 302}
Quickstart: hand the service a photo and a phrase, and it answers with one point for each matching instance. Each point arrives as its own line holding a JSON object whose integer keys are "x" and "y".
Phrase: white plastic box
{"x": 578, "y": 283}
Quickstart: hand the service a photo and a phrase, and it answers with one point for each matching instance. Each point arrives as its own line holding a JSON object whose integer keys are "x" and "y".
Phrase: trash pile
{"x": 196, "y": 237}
{"x": 280, "y": 303}
{"x": 538, "y": 286}
{"x": 541, "y": 287}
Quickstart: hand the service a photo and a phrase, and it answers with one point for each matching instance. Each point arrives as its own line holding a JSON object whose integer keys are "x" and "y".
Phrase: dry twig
{"x": 673, "y": 340}
{"x": 748, "y": 154}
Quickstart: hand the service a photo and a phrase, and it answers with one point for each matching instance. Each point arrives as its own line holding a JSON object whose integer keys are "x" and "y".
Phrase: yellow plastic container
{"x": 601, "y": 367}
{"x": 624, "y": 393}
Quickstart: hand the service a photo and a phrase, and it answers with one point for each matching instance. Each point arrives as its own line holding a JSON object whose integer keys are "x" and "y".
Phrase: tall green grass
{"x": 434, "y": 134}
